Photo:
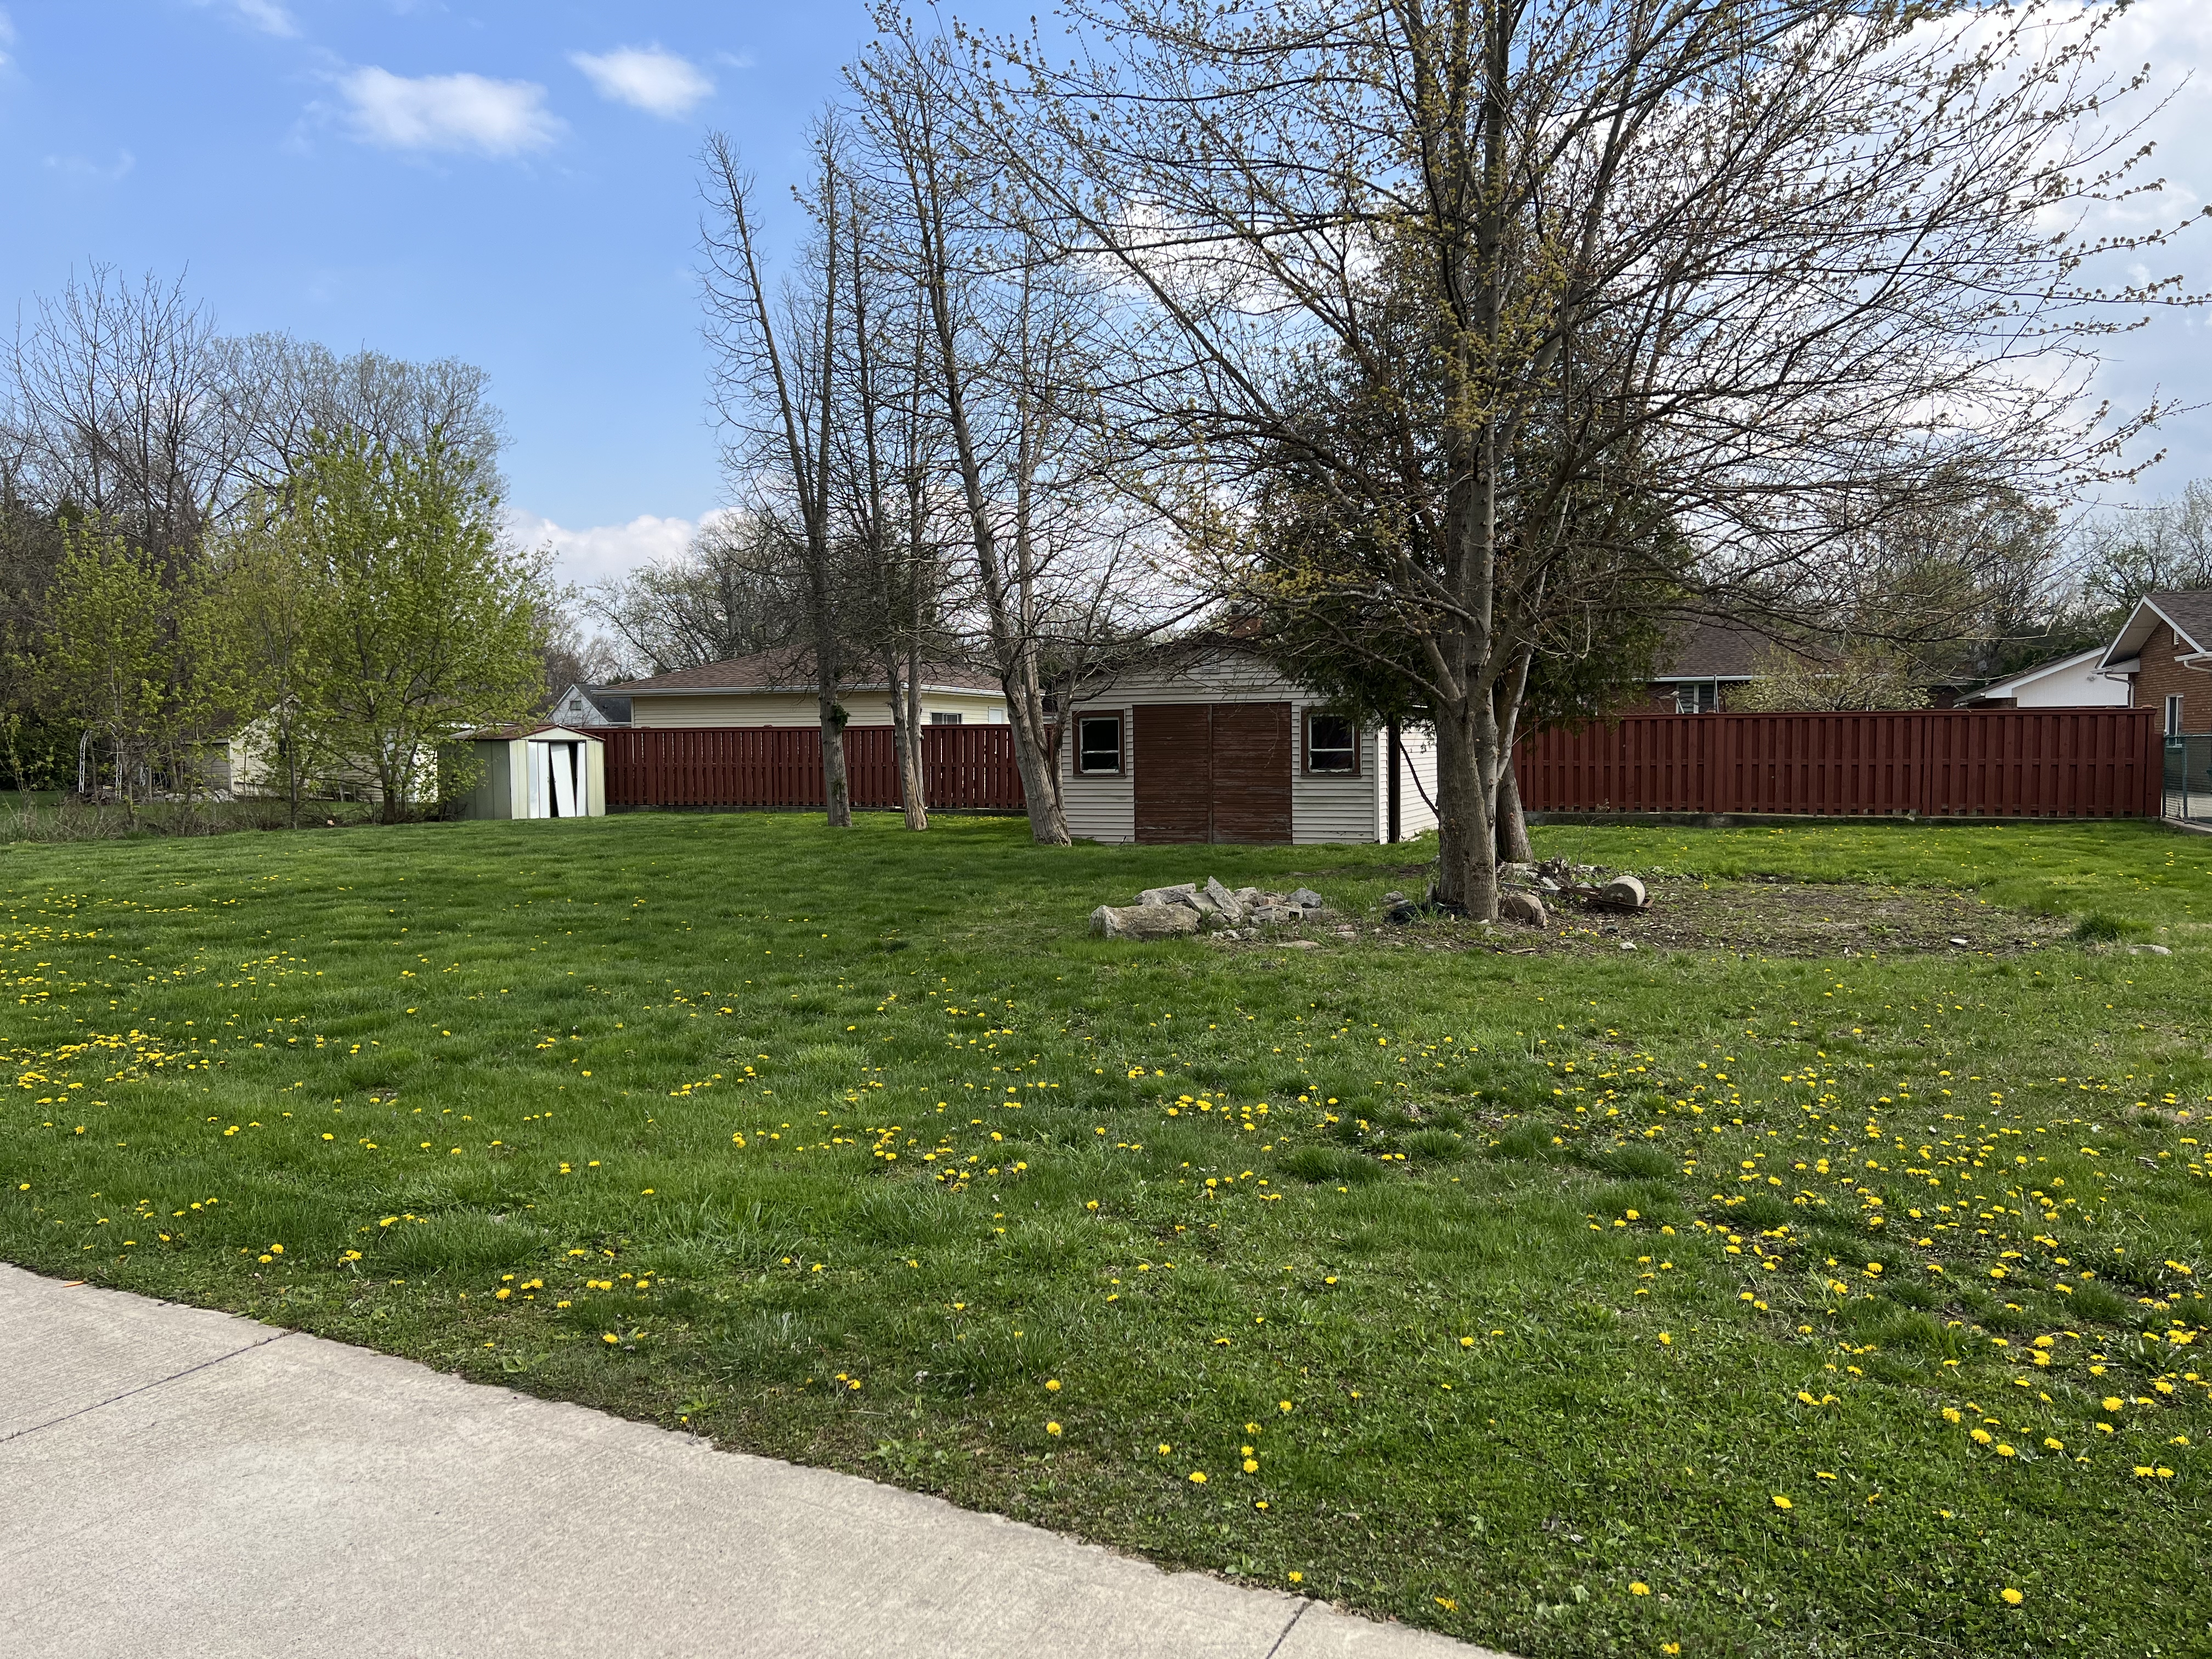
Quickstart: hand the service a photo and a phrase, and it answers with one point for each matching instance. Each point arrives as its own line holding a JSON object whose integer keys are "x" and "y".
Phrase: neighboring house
{"x": 251, "y": 766}
{"x": 777, "y": 688}
{"x": 1204, "y": 742}
{"x": 2163, "y": 653}
{"x": 590, "y": 705}
{"x": 1705, "y": 658}
{"x": 2077, "y": 682}
{"x": 542, "y": 771}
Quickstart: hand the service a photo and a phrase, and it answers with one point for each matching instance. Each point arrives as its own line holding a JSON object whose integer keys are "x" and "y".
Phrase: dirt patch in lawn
{"x": 1760, "y": 917}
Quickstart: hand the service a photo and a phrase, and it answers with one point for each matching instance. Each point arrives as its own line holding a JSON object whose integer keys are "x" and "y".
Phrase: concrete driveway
{"x": 179, "y": 1482}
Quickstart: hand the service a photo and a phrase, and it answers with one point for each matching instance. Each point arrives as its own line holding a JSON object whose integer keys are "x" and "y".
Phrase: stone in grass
{"x": 1299, "y": 945}
{"x": 1306, "y": 899}
{"x": 1276, "y": 915}
{"x": 2149, "y": 951}
{"x": 1226, "y": 903}
{"x": 1624, "y": 891}
{"x": 1166, "y": 895}
{"x": 1525, "y": 909}
{"x": 1143, "y": 922}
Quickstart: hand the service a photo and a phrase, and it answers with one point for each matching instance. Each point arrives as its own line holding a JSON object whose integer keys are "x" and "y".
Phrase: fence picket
{"x": 1938, "y": 762}
{"x": 964, "y": 768}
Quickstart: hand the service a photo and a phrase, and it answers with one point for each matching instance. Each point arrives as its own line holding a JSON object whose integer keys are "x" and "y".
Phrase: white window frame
{"x": 1120, "y": 741}
{"x": 2174, "y": 702}
{"x": 1307, "y": 746}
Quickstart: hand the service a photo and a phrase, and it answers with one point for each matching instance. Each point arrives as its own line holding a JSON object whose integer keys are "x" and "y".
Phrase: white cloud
{"x": 7, "y": 36}
{"x": 584, "y": 556}
{"x": 448, "y": 112}
{"x": 646, "y": 77}
{"x": 79, "y": 167}
{"x": 269, "y": 16}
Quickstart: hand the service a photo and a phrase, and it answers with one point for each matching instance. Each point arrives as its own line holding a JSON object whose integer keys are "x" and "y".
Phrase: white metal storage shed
{"x": 536, "y": 772}
{"x": 1211, "y": 745}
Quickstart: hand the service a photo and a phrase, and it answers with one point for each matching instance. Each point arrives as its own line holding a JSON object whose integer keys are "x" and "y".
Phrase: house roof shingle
{"x": 2188, "y": 611}
{"x": 789, "y": 669}
{"x": 1707, "y": 648}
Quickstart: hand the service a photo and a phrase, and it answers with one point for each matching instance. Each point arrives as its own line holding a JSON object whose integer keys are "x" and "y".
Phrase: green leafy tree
{"x": 274, "y": 603}
{"x": 416, "y": 623}
{"x": 136, "y": 655}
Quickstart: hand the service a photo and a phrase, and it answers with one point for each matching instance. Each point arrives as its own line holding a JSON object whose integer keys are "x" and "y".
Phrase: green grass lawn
{"x": 1578, "y": 1305}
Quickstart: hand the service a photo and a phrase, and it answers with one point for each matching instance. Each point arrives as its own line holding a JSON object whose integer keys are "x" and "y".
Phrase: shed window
{"x": 2173, "y": 715}
{"x": 945, "y": 717}
{"x": 1332, "y": 744}
{"x": 1098, "y": 745}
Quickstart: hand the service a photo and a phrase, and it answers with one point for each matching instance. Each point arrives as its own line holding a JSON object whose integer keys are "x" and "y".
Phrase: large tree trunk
{"x": 1034, "y": 754}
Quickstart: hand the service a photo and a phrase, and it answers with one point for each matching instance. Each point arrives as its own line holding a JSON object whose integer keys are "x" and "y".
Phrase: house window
{"x": 943, "y": 717}
{"x": 1701, "y": 698}
{"x": 2173, "y": 715}
{"x": 1332, "y": 744}
{"x": 1098, "y": 745}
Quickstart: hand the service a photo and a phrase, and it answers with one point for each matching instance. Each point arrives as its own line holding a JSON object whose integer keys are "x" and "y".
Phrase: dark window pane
{"x": 941, "y": 718}
{"x": 1332, "y": 743}
{"x": 1098, "y": 745}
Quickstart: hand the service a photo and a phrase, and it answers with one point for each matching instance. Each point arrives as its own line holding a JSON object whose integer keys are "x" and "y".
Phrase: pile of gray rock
{"x": 1189, "y": 907}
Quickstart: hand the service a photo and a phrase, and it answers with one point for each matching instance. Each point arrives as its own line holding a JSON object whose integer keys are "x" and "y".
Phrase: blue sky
{"x": 507, "y": 182}
{"x": 511, "y": 182}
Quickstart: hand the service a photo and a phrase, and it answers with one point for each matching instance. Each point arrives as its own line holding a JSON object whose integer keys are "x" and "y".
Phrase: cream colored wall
{"x": 801, "y": 709}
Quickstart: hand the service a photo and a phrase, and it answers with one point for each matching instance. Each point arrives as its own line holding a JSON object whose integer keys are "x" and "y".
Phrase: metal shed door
{"x": 554, "y": 781}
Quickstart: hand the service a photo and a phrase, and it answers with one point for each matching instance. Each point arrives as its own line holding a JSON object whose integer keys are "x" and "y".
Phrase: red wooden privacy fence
{"x": 1947, "y": 762}
{"x": 964, "y": 767}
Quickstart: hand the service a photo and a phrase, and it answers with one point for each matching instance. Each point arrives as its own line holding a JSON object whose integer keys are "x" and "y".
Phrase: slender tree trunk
{"x": 906, "y": 737}
{"x": 1011, "y": 652}
{"x": 837, "y": 783}
{"x": 1512, "y": 826}
{"x": 917, "y": 793}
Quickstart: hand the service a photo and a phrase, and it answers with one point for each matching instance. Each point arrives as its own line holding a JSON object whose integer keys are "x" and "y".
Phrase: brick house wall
{"x": 2161, "y": 676}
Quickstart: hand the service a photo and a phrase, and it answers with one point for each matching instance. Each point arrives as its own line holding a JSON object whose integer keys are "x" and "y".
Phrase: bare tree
{"x": 775, "y": 387}
{"x": 1012, "y": 355}
{"x": 1788, "y": 262}
{"x": 886, "y": 483}
{"x": 115, "y": 410}
{"x": 730, "y": 594}
{"x": 281, "y": 396}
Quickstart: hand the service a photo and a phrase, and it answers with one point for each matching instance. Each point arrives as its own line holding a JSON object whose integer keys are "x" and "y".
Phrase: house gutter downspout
{"x": 1395, "y": 787}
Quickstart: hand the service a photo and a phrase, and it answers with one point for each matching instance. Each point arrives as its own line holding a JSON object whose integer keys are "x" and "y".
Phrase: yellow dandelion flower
{"x": 2012, "y": 1598}
{"x": 1639, "y": 1587}
{"x": 1198, "y": 1477}
{"x": 1052, "y": 1428}
{"x": 1780, "y": 1502}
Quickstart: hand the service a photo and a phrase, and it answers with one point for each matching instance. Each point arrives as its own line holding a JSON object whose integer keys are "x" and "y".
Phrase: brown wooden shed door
{"x": 1251, "y": 771}
{"x": 1174, "y": 757}
{"x": 1213, "y": 771}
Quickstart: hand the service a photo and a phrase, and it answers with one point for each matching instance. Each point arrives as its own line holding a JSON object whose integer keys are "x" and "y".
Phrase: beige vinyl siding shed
{"x": 1226, "y": 740}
